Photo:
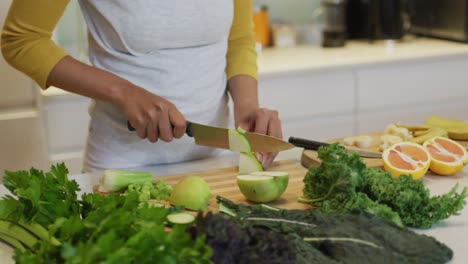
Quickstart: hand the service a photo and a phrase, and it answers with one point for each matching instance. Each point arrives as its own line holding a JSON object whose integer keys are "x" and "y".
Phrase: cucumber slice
{"x": 180, "y": 218}
{"x": 238, "y": 142}
{"x": 248, "y": 163}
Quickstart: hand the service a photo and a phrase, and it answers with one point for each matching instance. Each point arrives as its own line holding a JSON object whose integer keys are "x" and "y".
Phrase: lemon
{"x": 406, "y": 158}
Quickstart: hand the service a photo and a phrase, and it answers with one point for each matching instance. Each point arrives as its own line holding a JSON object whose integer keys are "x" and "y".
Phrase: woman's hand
{"x": 152, "y": 116}
{"x": 262, "y": 121}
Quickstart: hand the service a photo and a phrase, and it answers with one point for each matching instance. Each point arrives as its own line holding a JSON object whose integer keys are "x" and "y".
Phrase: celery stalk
{"x": 12, "y": 242}
{"x": 18, "y": 233}
{"x": 117, "y": 180}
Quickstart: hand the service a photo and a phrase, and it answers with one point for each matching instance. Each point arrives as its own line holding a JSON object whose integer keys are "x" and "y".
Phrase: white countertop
{"x": 274, "y": 61}
{"x": 453, "y": 231}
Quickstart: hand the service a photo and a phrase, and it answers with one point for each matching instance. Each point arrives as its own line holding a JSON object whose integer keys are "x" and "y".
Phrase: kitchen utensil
{"x": 218, "y": 137}
{"x": 439, "y": 19}
{"x": 315, "y": 145}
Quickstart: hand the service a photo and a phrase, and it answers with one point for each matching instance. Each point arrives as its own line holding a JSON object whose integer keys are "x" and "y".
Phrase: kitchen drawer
{"x": 16, "y": 88}
{"x": 373, "y": 121}
{"x": 308, "y": 94}
{"x": 66, "y": 121}
{"x": 401, "y": 84}
{"x": 21, "y": 141}
{"x": 320, "y": 128}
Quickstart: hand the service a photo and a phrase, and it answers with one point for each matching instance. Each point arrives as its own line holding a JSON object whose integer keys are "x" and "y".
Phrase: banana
{"x": 432, "y": 132}
{"x": 436, "y": 121}
{"x": 413, "y": 128}
{"x": 418, "y": 133}
{"x": 456, "y": 129}
{"x": 458, "y": 134}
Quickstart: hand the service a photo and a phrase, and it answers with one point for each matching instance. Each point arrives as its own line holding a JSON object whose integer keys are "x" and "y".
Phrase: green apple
{"x": 263, "y": 187}
{"x": 192, "y": 192}
{"x": 248, "y": 163}
{"x": 238, "y": 142}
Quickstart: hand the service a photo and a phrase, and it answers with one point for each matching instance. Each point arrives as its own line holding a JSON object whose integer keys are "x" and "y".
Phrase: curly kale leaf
{"x": 338, "y": 175}
{"x": 411, "y": 199}
{"x": 343, "y": 182}
{"x": 334, "y": 185}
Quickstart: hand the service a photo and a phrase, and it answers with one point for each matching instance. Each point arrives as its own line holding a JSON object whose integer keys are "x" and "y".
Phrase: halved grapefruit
{"x": 447, "y": 156}
{"x": 406, "y": 158}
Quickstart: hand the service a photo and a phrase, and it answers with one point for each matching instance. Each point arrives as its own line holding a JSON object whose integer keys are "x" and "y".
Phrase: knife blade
{"x": 218, "y": 137}
{"x": 315, "y": 145}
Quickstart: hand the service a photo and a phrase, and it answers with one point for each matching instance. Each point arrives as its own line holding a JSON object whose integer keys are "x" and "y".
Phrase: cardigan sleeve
{"x": 26, "y": 42}
{"x": 241, "y": 55}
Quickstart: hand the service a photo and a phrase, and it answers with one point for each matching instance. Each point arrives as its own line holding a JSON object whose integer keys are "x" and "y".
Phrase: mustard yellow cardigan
{"x": 26, "y": 39}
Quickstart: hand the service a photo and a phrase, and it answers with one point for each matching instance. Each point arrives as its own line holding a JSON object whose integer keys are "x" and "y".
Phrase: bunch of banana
{"x": 456, "y": 129}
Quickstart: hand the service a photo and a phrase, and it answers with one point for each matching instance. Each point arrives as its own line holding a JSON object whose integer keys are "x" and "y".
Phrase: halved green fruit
{"x": 192, "y": 192}
{"x": 248, "y": 163}
{"x": 238, "y": 142}
{"x": 263, "y": 187}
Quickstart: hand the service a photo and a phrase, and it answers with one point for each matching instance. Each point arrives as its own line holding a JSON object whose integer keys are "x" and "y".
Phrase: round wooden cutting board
{"x": 310, "y": 157}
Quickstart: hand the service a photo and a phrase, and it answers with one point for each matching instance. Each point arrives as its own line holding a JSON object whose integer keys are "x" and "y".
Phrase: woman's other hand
{"x": 152, "y": 116}
{"x": 262, "y": 121}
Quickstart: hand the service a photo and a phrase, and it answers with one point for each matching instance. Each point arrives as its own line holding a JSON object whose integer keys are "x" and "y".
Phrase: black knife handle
{"x": 188, "y": 128}
{"x": 306, "y": 143}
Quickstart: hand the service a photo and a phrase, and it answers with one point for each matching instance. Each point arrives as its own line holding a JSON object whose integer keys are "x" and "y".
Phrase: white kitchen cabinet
{"x": 377, "y": 120}
{"x": 299, "y": 95}
{"x": 66, "y": 121}
{"x": 21, "y": 140}
{"x": 21, "y": 130}
{"x": 317, "y": 105}
{"x": 409, "y": 92}
{"x": 15, "y": 88}
{"x": 403, "y": 84}
{"x": 320, "y": 128}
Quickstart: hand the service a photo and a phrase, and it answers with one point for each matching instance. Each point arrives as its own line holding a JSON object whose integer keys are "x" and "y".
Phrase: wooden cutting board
{"x": 223, "y": 182}
{"x": 310, "y": 157}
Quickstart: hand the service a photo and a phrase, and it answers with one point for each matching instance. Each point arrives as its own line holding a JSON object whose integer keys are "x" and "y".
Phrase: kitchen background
{"x": 321, "y": 93}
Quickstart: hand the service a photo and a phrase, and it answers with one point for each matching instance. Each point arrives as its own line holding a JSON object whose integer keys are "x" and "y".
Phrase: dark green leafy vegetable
{"x": 343, "y": 183}
{"x": 41, "y": 197}
{"x": 94, "y": 229}
{"x": 354, "y": 237}
{"x": 234, "y": 243}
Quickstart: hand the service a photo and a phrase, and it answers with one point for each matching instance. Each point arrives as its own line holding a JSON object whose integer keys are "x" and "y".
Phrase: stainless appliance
{"x": 375, "y": 19}
{"x": 445, "y": 19}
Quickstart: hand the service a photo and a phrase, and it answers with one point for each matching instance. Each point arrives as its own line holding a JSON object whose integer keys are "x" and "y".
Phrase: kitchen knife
{"x": 218, "y": 137}
{"x": 315, "y": 145}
